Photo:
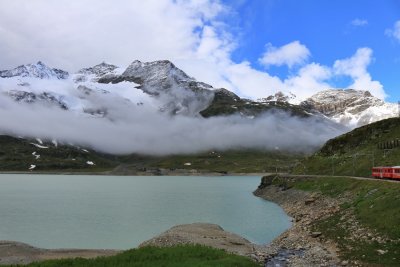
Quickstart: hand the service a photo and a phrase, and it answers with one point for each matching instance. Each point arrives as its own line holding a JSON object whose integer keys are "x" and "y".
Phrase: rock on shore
{"x": 211, "y": 235}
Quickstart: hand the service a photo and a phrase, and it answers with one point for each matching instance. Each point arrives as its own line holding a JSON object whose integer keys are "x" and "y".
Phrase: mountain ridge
{"x": 183, "y": 94}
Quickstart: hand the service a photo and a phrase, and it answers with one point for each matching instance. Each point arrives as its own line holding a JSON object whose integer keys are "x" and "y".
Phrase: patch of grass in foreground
{"x": 188, "y": 255}
{"x": 375, "y": 204}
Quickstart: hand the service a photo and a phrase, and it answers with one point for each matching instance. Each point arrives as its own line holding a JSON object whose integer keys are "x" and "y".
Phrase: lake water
{"x": 120, "y": 212}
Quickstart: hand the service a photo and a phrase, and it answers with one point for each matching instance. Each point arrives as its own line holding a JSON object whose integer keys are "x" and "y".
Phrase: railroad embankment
{"x": 336, "y": 221}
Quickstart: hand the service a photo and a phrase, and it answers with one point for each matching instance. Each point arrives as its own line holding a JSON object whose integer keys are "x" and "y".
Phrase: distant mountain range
{"x": 106, "y": 92}
{"x": 164, "y": 87}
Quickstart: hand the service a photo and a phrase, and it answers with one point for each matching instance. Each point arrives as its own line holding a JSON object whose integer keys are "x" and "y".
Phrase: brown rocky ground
{"x": 20, "y": 253}
{"x": 301, "y": 246}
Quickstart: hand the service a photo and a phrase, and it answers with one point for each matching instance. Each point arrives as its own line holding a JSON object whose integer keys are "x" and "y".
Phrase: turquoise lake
{"x": 120, "y": 212}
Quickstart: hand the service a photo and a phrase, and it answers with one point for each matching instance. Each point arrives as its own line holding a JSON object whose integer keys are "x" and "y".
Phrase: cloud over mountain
{"x": 193, "y": 34}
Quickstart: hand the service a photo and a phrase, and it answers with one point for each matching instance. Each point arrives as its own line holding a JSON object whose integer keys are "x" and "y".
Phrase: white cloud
{"x": 184, "y": 134}
{"x": 359, "y": 22}
{"x": 356, "y": 68}
{"x": 309, "y": 80}
{"x": 74, "y": 34}
{"x": 291, "y": 54}
{"x": 395, "y": 31}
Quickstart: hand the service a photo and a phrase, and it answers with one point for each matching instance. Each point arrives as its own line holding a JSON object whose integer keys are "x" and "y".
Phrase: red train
{"x": 386, "y": 172}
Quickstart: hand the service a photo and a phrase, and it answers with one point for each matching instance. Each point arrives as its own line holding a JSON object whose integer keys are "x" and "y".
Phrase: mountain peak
{"x": 350, "y": 107}
{"x": 37, "y": 70}
{"x": 154, "y": 72}
{"x": 344, "y": 97}
{"x": 99, "y": 70}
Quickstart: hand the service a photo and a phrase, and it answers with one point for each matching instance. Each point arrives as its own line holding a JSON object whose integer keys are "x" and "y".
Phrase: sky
{"x": 254, "y": 48}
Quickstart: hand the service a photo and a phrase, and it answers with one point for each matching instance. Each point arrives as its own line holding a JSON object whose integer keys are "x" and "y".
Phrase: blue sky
{"x": 254, "y": 48}
{"x": 329, "y": 29}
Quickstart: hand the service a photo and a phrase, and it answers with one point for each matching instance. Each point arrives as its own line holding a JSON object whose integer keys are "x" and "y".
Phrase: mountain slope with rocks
{"x": 350, "y": 107}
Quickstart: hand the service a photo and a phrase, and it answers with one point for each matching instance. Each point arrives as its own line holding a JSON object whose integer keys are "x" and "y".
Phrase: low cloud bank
{"x": 146, "y": 132}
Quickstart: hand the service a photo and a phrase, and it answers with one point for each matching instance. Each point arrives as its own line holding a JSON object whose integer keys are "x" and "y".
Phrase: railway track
{"x": 352, "y": 177}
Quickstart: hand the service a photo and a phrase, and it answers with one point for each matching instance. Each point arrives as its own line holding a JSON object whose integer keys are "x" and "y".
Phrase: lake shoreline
{"x": 206, "y": 234}
{"x": 12, "y": 252}
{"x": 300, "y": 245}
{"x": 20, "y": 250}
{"x": 111, "y": 173}
{"x": 296, "y": 245}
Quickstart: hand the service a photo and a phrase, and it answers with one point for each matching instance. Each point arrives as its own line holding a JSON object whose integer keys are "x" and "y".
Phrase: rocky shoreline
{"x": 300, "y": 245}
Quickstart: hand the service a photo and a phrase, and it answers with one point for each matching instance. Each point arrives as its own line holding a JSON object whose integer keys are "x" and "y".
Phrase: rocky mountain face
{"x": 95, "y": 73}
{"x": 181, "y": 93}
{"x": 43, "y": 98}
{"x": 350, "y": 107}
{"x": 159, "y": 85}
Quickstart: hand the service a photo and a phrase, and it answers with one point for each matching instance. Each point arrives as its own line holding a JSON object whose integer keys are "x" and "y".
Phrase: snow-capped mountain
{"x": 106, "y": 90}
{"x": 150, "y": 107}
{"x": 38, "y": 70}
{"x": 180, "y": 93}
{"x": 96, "y": 72}
{"x": 350, "y": 107}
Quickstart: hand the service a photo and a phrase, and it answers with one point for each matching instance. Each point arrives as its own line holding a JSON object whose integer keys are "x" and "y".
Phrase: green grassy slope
{"x": 237, "y": 161}
{"x": 374, "y": 204}
{"x": 183, "y": 256}
{"x": 16, "y": 155}
{"x": 355, "y": 153}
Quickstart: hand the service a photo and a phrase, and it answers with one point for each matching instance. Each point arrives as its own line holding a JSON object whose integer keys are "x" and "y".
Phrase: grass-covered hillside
{"x": 18, "y": 154}
{"x": 366, "y": 227}
{"x": 233, "y": 161}
{"x": 354, "y": 153}
{"x": 180, "y": 256}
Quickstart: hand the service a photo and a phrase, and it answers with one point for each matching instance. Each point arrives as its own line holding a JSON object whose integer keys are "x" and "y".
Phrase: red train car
{"x": 386, "y": 172}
